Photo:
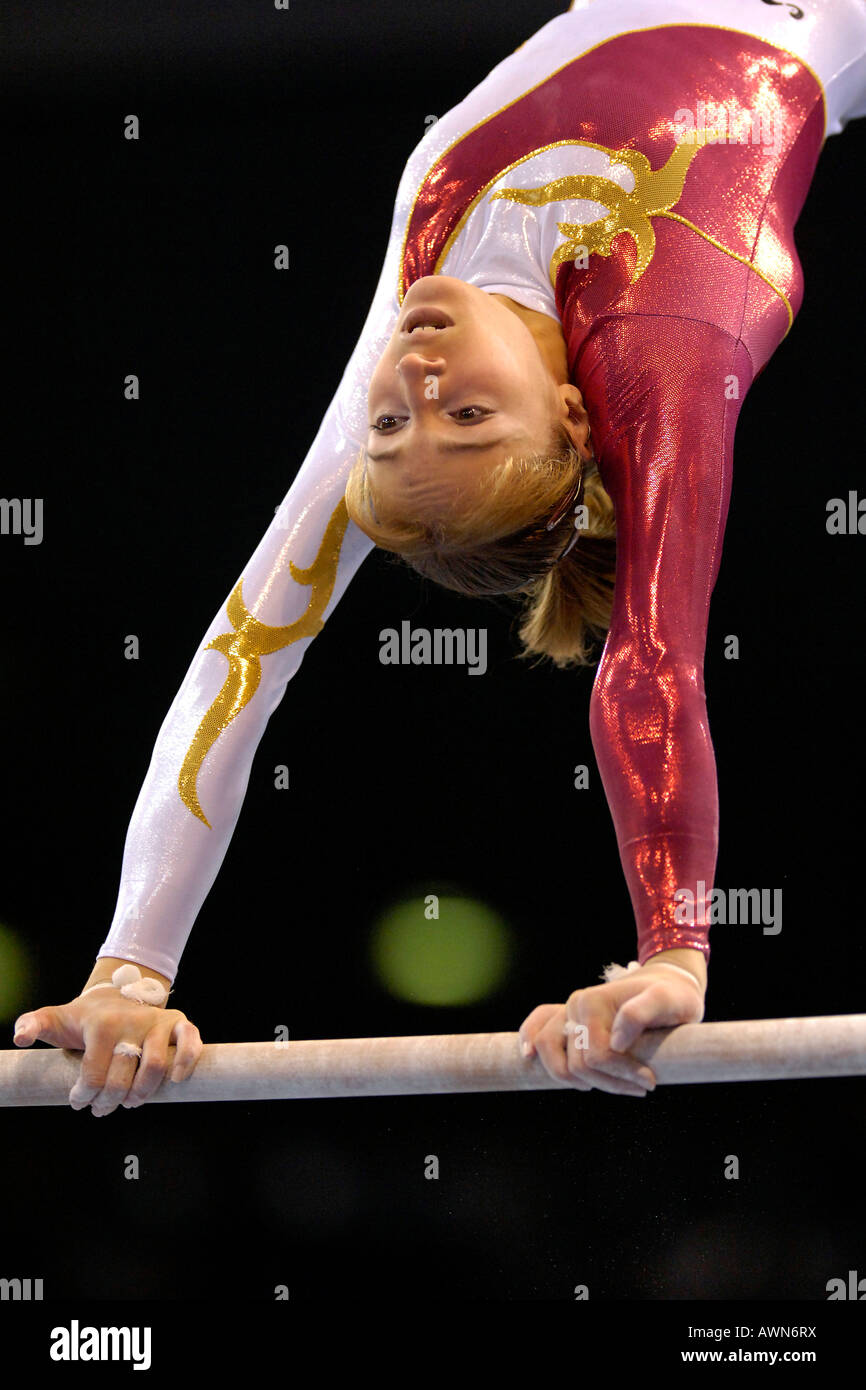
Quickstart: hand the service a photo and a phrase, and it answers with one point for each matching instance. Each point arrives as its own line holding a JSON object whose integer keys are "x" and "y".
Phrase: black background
{"x": 156, "y": 257}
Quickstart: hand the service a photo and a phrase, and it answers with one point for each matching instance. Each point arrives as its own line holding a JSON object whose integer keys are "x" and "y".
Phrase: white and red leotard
{"x": 575, "y": 181}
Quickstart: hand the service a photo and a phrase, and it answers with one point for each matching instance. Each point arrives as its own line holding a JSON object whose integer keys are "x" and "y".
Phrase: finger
{"x": 659, "y": 1006}
{"x": 188, "y": 1049}
{"x": 155, "y": 1059}
{"x": 26, "y": 1029}
{"x": 605, "y": 1068}
{"x": 45, "y": 1025}
{"x": 617, "y": 1075}
{"x": 616, "y": 1085}
{"x": 152, "y": 1067}
{"x": 121, "y": 1075}
{"x": 532, "y": 1025}
{"x": 100, "y": 1039}
{"x": 551, "y": 1049}
{"x": 589, "y": 1048}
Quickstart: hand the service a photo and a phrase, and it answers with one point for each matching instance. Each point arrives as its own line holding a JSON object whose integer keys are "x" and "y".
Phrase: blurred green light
{"x": 460, "y": 957}
{"x": 15, "y": 975}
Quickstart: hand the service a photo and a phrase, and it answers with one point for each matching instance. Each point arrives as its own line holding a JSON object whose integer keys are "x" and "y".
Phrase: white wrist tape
{"x": 133, "y": 985}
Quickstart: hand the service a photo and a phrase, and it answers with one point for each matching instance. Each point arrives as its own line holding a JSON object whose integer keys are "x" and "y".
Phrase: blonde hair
{"x": 494, "y": 540}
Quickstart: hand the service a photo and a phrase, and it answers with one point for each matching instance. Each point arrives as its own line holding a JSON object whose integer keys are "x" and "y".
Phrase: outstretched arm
{"x": 194, "y": 789}
{"x": 192, "y": 795}
{"x": 678, "y": 384}
{"x": 663, "y": 395}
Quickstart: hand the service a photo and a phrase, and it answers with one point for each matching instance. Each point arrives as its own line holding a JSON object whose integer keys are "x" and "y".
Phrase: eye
{"x": 387, "y": 429}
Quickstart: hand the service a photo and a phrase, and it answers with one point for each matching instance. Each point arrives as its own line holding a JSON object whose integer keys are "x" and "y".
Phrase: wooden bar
{"x": 772, "y": 1049}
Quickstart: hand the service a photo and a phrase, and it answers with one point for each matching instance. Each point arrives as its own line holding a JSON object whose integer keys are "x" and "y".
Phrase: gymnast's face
{"x": 447, "y": 403}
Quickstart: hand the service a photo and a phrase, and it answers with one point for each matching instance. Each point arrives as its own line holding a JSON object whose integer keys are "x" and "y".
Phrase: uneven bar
{"x": 769, "y": 1049}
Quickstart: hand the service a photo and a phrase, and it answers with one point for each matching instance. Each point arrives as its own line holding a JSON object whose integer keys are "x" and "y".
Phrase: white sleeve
{"x": 846, "y": 100}
{"x": 191, "y": 798}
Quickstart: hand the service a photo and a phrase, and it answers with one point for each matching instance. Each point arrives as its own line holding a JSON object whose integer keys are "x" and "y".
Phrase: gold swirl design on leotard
{"x": 655, "y": 193}
{"x": 514, "y": 102}
{"x": 249, "y": 641}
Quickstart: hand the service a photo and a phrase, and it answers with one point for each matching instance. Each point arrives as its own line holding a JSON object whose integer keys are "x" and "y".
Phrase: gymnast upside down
{"x": 590, "y": 260}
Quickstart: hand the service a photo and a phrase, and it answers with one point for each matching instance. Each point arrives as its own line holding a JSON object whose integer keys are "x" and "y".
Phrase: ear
{"x": 575, "y": 419}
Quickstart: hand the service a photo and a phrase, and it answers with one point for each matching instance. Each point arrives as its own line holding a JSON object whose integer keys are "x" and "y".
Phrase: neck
{"x": 548, "y": 335}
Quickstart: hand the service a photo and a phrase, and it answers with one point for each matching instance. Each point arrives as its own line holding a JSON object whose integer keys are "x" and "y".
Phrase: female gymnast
{"x": 591, "y": 258}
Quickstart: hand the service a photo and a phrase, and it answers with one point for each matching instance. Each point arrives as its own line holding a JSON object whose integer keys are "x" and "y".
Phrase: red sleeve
{"x": 663, "y": 395}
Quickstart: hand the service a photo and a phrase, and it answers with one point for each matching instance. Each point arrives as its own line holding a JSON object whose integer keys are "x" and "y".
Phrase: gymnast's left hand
{"x": 613, "y": 1017}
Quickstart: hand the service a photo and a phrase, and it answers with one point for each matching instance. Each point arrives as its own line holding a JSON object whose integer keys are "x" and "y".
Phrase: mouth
{"x": 417, "y": 320}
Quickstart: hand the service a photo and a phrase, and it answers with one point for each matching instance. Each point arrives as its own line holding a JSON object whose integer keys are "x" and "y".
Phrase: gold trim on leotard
{"x": 619, "y": 155}
{"x": 249, "y": 641}
{"x": 675, "y": 217}
{"x": 655, "y": 192}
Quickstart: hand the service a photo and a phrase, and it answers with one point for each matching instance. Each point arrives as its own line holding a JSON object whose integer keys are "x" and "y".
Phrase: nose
{"x": 415, "y": 369}
{"x": 414, "y": 363}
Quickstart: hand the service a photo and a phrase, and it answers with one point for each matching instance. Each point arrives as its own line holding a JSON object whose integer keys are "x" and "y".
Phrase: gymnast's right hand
{"x": 94, "y": 1023}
